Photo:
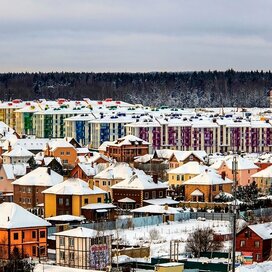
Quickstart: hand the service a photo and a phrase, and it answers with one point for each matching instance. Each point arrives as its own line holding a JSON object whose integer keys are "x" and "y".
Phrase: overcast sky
{"x": 135, "y": 35}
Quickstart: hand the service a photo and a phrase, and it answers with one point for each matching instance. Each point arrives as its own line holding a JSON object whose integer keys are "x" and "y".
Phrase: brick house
{"x": 28, "y": 189}
{"x": 127, "y": 148}
{"x": 257, "y": 240}
{"x": 136, "y": 189}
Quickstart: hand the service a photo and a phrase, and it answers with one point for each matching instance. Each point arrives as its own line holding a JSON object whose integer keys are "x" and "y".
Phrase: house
{"x": 99, "y": 211}
{"x": 206, "y": 186}
{"x": 16, "y": 155}
{"x": 263, "y": 180}
{"x": 62, "y": 149}
{"x": 83, "y": 248}
{"x": 134, "y": 190}
{"x": 255, "y": 239}
{"x": 112, "y": 175}
{"x": 245, "y": 169}
{"x": 8, "y": 173}
{"x": 69, "y": 196}
{"x": 22, "y": 231}
{"x": 127, "y": 148}
{"x": 177, "y": 176}
{"x": 28, "y": 189}
{"x": 179, "y": 158}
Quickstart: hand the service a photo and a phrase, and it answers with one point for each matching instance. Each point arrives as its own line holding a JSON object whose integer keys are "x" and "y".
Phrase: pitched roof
{"x": 65, "y": 218}
{"x": 129, "y": 140}
{"x": 18, "y": 151}
{"x": 115, "y": 171}
{"x": 207, "y": 178}
{"x": 183, "y": 155}
{"x": 139, "y": 181}
{"x": 79, "y": 232}
{"x": 41, "y": 176}
{"x": 156, "y": 209}
{"x": 14, "y": 170}
{"x": 14, "y": 216}
{"x": 265, "y": 173}
{"x": 73, "y": 186}
{"x": 192, "y": 167}
{"x": 262, "y": 230}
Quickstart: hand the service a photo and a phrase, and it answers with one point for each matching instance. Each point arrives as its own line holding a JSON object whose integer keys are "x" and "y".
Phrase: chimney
{"x": 9, "y": 146}
{"x": 91, "y": 183}
{"x": 155, "y": 178}
{"x": 8, "y": 219}
{"x": 28, "y": 169}
{"x": 49, "y": 170}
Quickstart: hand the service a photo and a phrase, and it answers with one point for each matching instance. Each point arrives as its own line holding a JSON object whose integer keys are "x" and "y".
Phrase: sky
{"x": 135, "y": 35}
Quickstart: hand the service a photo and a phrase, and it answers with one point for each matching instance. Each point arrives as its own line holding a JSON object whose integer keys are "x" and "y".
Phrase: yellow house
{"x": 177, "y": 176}
{"x": 69, "y": 196}
{"x": 206, "y": 186}
{"x": 263, "y": 179}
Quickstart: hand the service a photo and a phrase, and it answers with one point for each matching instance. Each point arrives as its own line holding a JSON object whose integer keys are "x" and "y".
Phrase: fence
{"x": 211, "y": 216}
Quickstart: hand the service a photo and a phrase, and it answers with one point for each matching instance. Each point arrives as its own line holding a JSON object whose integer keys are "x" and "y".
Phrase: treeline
{"x": 184, "y": 89}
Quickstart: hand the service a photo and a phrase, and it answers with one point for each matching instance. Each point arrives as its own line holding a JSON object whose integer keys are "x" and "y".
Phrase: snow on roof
{"x": 92, "y": 158}
{"x": 14, "y": 170}
{"x": 262, "y": 230}
{"x": 183, "y": 155}
{"x": 104, "y": 145}
{"x": 192, "y": 167}
{"x": 163, "y": 153}
{"x": 207, "y": 178}
{"x": 139, "y": 181}
{"x": 242, "y": 163}
{"x": 129, "y": 140}
{"x": 28, "y": 143}
{"x": 161, "y": 201}
{"x": 88, "y": 169}
{"x": 79, "y": 232}
{"x": 97, "y": 206}
{"x": 18, "y": 151}
{"x": 265, "y": 173}
{"x": 143, "y": 159}
{"x": 126, "y": 200}
{"x": 84, "y": 150}
{"x": 73, "y": 186}
{"x": 158, "y": 209}
{"x": 119, "y": 170}
{"x": 48, "y": 160}
{"x": 196, "y": 192}
{"x": 14, "y": 216}
{"x": 41, "y": 176}
{"x": 66, "y": 218}
{"x": 59, "y": 143}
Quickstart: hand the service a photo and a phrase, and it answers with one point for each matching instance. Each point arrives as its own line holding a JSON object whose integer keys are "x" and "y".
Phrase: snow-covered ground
{"x": 164, "y": 233}
{"x": 258, "y": 267}
{"x": 55, "y": 268}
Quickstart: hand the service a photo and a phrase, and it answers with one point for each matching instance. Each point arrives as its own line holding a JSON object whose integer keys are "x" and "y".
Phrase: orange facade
{"x": 31, "y": 242}
{"x": 68, "y": 155}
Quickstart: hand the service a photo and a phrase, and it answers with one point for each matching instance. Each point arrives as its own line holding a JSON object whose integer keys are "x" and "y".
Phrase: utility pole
{"x": 234, "y": 172}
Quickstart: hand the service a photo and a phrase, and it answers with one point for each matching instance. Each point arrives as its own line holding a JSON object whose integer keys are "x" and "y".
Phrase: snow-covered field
{"x": 164, "y": 233}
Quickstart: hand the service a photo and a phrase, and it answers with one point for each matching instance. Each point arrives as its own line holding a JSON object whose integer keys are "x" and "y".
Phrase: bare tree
{"x": 202, "y": 240}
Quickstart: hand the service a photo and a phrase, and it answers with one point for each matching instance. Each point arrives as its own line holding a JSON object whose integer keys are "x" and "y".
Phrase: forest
{"x": 175, "y": 89}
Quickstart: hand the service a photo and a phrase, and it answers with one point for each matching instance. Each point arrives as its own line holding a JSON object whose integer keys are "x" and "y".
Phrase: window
{"x": 99, "y": 200}
{"x": 247, "y": 234}
{"x": 258, "y": 257}
{"x": 42, "y": 234}
{"x": 72, "y": 256}
{"x": 68, "y": 153}
{"x": 214, "y": 188}
{"x": 71, "y": 242}
{"x": 62, "y": 255}
{"x": 146, "y": 195}
{"x": 33, "y": 234}
{"x": 160, "y": 193}
{"x": 61, "y": 153}
{"x": 104, "y": 183}
{"x": 65, "y": 161}
{"x": 67, "y": 201}
{"x": 109, "y": 183}
{"x": 257, "y": 244}
{"x": 220, "y": 187}
{"x": 86, "y": 200}
{"x": 60, "y": 201}
{"x": 177, "y": 177}
{"x": 242, "y": 243}
{"x": 61, "y": 241}
{"x": 154, "y": 194}
{"x": 34, "y": 250}
{"x": 29, "y": 190}
{"x": 15, "y": 236}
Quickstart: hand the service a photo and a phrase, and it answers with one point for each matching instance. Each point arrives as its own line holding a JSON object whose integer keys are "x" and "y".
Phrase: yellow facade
{"x": 178, "y": 179}
{"x": 263, "y": 183}
{"x": 50, "y": 208}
